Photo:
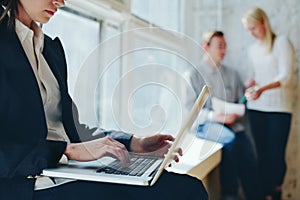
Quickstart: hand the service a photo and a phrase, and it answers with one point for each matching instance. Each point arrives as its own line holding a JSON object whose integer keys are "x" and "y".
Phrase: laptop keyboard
{"x": 138, "y": 165}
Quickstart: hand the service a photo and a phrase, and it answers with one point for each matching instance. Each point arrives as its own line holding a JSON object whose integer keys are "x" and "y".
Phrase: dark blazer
{"x": 24, "y": 150}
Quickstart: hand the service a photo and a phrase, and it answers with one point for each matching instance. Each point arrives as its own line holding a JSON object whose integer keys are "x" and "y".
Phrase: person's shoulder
{"x": 228, "y": 69}
{"x": 190, "y": 73}
{"x": 194, "y": 74}
{"x": 282, "y": 39}
{"x": 282, "y": 43}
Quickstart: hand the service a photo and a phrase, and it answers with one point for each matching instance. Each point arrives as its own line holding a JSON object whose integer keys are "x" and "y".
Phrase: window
{"x": 147, "y": 96}
{"x": 165, "y": 14}
{"x": 123, "y": 74}
{"x": 110, "y": 67}
{"x": 79, "y": 36}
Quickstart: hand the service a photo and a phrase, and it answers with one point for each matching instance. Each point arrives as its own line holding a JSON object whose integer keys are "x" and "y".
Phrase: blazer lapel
{"x": 54, "y": 60}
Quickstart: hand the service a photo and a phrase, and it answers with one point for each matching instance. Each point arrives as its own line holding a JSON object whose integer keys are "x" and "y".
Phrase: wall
{"x": 203, "y": 15}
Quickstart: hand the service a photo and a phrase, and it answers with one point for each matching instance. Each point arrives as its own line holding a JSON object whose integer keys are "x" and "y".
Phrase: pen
{"x": 243, "y": 99}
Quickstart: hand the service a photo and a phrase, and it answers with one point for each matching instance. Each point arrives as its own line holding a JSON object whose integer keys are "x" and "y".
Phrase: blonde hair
{"x": 257, "y": 15}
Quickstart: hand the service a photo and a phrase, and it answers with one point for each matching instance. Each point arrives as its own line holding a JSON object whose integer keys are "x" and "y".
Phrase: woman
{"x": 39, "y": 124}
{"x": 269, "y": 99}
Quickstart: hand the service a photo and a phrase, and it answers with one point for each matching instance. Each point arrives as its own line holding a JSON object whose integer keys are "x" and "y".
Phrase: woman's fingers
{"x": 116, "y": 149}
{"x": 117, "y": 153}
{"x": 96, "y": 149}
{"x": 115, "y": 143}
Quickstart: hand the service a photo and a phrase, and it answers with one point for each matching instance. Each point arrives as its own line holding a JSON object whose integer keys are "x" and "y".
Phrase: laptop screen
{"x": 198, "y": 105}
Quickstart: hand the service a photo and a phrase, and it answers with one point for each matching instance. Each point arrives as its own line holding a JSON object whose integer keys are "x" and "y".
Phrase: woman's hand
{"x": 253, "y": 93}
{"x": 93, "y": 150}
{"x": 250, "y": 82}
{"x": 156, "y": 145}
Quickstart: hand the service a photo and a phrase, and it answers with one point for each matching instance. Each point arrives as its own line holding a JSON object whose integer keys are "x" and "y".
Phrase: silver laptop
{"x": 142, "y": 170}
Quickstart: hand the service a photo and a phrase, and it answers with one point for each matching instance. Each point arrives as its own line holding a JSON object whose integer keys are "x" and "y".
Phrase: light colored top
{"x": 267, "y": 68}
{"x": 224, "y": 83}
{"x": 33, "y": 42}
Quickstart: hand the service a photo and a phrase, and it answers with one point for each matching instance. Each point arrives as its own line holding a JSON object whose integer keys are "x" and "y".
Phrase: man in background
{"x": 238, "y": 165}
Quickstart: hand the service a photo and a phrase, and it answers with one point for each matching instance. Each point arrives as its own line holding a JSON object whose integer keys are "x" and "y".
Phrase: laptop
{"x": 143, "y": 170}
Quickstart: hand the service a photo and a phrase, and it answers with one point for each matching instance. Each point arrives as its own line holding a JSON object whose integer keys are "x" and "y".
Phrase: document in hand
{"x": 221, "y": 106}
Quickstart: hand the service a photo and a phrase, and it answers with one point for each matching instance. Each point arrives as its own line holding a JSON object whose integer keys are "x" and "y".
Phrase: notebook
{"x": 143, "y": 170}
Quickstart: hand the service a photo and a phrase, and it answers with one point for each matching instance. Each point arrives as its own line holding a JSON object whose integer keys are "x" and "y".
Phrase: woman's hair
{"x": 11, "y": 7}
{"x": 257, "y": 15}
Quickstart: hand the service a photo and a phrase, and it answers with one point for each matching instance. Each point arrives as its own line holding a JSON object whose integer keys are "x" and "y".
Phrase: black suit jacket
{"x": 24, "y": 150}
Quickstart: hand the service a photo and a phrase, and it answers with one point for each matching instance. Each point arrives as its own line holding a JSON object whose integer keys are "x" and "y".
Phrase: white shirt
{"x": 32, "y": 41}
{"x": 275, "y": 66}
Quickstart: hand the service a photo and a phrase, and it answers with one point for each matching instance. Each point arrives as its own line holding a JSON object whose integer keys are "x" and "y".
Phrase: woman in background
{"x": 269, "y": 96}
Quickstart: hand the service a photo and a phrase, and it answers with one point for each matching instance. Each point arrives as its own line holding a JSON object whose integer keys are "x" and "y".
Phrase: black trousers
{"x": 239, "y": 165}
{"x": 270, "y": 131}
{"x": 169, "y": 186}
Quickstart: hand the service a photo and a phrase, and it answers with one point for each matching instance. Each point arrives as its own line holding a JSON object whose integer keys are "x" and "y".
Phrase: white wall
{"x": 203, "y": 15}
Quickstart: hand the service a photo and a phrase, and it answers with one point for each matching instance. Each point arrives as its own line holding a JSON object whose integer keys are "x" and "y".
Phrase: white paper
{"x": 224, "y": 107}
